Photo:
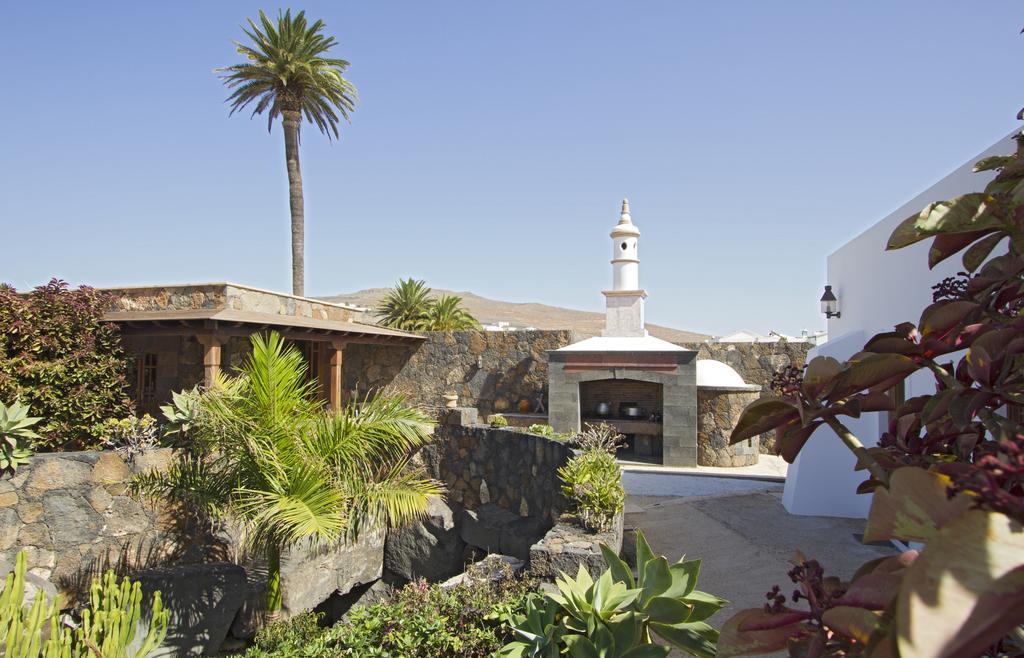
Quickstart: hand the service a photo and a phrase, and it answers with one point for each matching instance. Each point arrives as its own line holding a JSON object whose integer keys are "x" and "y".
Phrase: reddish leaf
{"x": 871, "y": 370}
{"x": 851, "y": 621}
{"x": 754, "y": 631}
{"x": 763, "y": 415}
{"x": 819, "y": 375}
{"x": 792, "y": 438}
{"x": 892, "y": 342}
{"x": 947, "y": 244}
{"x": 976, "y": 255}
{"x": 939, "y": 318}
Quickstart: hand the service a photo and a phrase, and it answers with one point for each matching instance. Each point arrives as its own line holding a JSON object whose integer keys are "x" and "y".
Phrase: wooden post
{"x": 334, "y": 378}
{"x": 211, "y": 357}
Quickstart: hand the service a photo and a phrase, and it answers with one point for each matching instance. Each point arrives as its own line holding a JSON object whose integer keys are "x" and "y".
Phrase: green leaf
{"x": 647, "y": 651}
{"x": 626, "y": 630}
{"x": 643, "y": 552}
{"x": 667, "y": 610}
{"x": 965, "y": 590}
{"x": 762, "y": 415}
{"x": 698, "y": 639}
{"x": 581, "y": 647}
{"x": 620, "y": 570}
{"x": 947, "y": 244}
{"x": 939, "y": 318}
{"x": 993, "y": 162}
{"x": 684, "y": 578}
{"x": 654, "y": 580}
{"x": 704, "y": 605}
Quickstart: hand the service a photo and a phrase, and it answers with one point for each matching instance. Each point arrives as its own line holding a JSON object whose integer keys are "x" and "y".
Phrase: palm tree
{"x": 446, "y": 313}
{"x": 267, "y": 455}
{"x": 406, "y": 305}
{"x": 289, "y": 75}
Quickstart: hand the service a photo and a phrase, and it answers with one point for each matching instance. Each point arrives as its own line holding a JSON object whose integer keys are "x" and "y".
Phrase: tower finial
{"x": 624, "y": 217}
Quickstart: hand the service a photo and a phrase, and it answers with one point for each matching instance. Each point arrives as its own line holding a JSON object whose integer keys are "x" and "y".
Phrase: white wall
{"x": 877, "y": 290}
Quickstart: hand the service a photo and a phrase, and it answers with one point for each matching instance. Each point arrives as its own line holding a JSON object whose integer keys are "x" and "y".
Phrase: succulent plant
{"x": 15, "y": 436}
{"x": 107, "y": 629}
{"x": 615, "y": 616}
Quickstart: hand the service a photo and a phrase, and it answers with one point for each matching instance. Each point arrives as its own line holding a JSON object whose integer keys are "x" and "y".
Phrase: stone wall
{"x": 492, "y": 371}
{"x": 717, "y": 414}
{"x": 756, "y": 363}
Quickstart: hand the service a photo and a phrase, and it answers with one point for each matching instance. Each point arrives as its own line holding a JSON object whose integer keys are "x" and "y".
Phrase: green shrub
{"x": 548, "y": 432}
{"x": 497, "y": 420}
{"x": 421, "y": 621}
{"x": 593, "y": 483}
{"x": 60, "y": 358}
{"x": 130, "y": 436}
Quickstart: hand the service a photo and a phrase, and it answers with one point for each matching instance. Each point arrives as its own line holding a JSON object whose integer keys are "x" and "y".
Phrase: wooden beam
{"x": 335, "y": 350}
{"x": 211, "y": 357}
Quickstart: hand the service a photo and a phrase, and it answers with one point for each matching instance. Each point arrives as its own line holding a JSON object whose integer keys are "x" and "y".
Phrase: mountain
{"x": 541, "y": 316}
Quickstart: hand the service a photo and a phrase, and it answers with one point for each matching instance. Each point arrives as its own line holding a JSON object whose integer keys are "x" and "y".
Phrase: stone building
{"x": 649, "y": 389}
{"x": 182, "y": 335}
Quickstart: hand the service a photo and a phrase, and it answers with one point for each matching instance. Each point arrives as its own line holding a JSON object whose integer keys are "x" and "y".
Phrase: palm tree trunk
{"x": 274, "y": 581}
{"x": 290, "y": 122}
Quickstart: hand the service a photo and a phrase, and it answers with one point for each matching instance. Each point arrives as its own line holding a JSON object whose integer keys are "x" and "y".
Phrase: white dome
{"x": 715, "y": 374}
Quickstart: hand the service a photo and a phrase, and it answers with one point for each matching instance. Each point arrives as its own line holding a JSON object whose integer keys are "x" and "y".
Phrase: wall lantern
{"x": 829, "y": 304}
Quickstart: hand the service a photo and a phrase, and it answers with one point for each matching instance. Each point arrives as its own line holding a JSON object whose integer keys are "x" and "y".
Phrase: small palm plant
{"x": 446, "y": 313}
{"x": 406, "y": 305}
{"x": 288, "y": 73}
{"x": 266, "y": 454}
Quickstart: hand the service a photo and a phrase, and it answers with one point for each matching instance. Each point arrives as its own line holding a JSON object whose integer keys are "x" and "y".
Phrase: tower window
{"x": 623, "y": 246}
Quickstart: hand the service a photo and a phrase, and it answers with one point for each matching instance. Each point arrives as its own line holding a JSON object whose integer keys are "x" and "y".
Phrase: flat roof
{"x": 189, "y": 321}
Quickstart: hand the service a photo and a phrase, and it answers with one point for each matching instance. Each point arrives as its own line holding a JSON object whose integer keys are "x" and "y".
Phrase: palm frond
{"x": 287, "y": 68}
{"x": 405, "y": 306}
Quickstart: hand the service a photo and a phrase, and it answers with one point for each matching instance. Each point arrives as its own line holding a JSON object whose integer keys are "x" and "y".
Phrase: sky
{"x": 494, "y": 141}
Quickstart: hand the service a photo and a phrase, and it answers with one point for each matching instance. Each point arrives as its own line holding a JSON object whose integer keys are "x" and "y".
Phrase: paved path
{"x": 745, "y": 538}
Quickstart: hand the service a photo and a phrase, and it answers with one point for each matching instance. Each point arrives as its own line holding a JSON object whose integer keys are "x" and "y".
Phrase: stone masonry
{"x": 489, "y": 370}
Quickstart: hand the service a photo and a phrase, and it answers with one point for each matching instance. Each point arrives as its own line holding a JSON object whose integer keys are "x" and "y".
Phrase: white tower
{"x": 624, "y": 303}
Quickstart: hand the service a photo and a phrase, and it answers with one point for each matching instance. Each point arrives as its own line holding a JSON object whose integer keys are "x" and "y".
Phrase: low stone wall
{"x": 568, "y": 545}
{"x": 493, "y": 371}
{"x": 717, "y": 414}
{"x": 482, "y": 465}
{"x": 72, "y": 515}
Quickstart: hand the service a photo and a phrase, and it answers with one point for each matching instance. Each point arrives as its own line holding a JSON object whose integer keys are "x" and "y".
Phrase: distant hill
{"x": 541, "y": 316}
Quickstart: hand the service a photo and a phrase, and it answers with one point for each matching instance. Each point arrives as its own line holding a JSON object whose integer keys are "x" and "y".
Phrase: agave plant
{"x": 181, "y": 414}
{"x": 15, "y": 435}
{"x": 269, "y": 457}
{"x": 616, "y": 615}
